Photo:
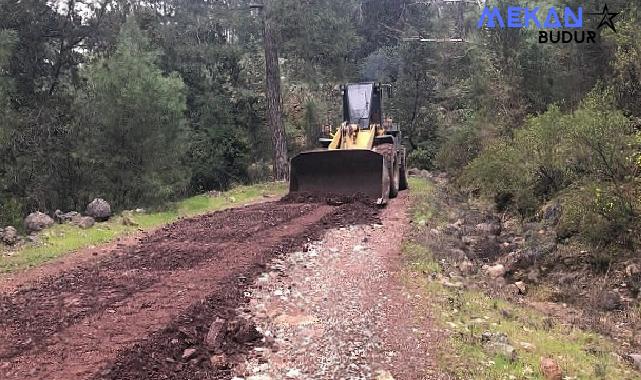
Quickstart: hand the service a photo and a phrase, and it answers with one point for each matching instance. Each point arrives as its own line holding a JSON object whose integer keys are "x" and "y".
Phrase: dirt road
{"x": 340, "y": 309}
{"x": 180, "y": 303}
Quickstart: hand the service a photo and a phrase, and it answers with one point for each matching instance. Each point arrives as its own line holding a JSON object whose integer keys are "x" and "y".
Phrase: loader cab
{"x": 362, "y": 104}
{"x": 363, "y": 107}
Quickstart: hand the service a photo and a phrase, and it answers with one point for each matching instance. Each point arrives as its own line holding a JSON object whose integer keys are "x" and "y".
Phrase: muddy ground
{"x": 165, "y": 306}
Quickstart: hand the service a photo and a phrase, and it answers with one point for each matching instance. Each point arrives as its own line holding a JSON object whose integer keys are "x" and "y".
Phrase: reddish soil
{"x": 329, "y": 198}
{"x": 10, "y": 282}
{"x": 133, "y": 312}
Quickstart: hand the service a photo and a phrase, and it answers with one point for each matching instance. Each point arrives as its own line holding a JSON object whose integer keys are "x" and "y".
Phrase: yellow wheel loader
{"x": 364, "y": 156}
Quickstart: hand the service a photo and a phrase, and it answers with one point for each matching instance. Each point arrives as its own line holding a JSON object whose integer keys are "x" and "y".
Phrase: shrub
{"x": 132, "y": 116}
{"x": 421, "y": 158}
{"x": 502, "y": 172}
{"x": 603, "y": 143}
{"x": 11, "y": 212}
{"x": 259, "y": 172}
{"x": 218, "y": 158}
{"x": 600, "y": 214}
{"x": 528, "y": 168}
{"x": 459, "y": 147}
{"x": 590, "y": 156}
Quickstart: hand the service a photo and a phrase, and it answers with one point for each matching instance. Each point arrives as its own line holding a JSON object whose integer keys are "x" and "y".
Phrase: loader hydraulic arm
{"x": 351, "y": 137}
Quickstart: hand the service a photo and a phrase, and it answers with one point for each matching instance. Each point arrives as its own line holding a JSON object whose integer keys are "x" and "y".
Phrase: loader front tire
{"x": 402, "y": 183}
{"x": 394, "y": 179}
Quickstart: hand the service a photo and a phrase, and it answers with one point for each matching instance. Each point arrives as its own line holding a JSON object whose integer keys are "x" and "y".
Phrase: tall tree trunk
{"x": 274, "y": 102}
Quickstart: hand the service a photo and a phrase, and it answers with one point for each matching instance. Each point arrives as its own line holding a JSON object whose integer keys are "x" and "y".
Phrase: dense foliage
{"x": 143, "y": 102}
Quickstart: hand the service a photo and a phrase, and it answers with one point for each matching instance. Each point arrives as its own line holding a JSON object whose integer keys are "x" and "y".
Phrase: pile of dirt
{"x": 353, "y": 214}
{"x": 181, "y": 350}
{"x": 329, "y": 198}
{"x": 352, "y": 209}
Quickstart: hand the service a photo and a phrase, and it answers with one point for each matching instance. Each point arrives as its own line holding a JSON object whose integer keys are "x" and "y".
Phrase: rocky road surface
{"x": 278, "y": 290}
{"x": 339, "y": 309}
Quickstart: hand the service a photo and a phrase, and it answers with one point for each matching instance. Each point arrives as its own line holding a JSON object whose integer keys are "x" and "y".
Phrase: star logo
{"x": 607, "y": 18}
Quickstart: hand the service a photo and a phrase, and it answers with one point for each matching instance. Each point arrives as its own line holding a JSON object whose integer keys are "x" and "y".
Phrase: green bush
{"x": 502, "y": 172}
{"x": 11, "y": 212}
{"x": 259, "y": 172}
{"x": 459, "y": 148}
{"x": 528, "y": 168}
{"x": 589, "y": 156}
{"x": 600, "y": 214}
{"x": 421, "y": 158}
{"x": 423, "y": 155}
{"x": 218, "y": 158}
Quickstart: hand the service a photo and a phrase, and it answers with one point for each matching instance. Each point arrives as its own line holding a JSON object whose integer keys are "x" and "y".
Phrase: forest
{"x": 146, "y": 102}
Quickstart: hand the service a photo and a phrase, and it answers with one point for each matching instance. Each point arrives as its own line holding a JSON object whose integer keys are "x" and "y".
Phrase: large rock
{"x": 384, "y": 375}
{"x": 495, "y": 271}
{"x": 490, "y": 337}
{"x": 219, "y": 361}
{"x": 533, "y": 275}
{"x": 552, "y": 214}
{"x": 632, "y": 270}
{"x": 453, "y": 229}
{"x": 85, "y": 222}
{"x": 9, "y": 235}
{"x": 636, "y": 360}
{"x": 497, "y": 343}
{"x": 486, "y": 248}
{"x": 466, "y": 267}
{"x": 470, "y": 239}
{"x": 188, "y": 353}
{"x": 608, "y": 300}
{"x": 99, "y": 209}
{"x": 504, "y": 349}
{"x": 413, "y": 172}
{"x": 37, "y": 221}
{"x": 523, "y": 259}
{"x": 551, "y": 369}
{"x": 489, "y": 228}
{"x": 66, "y": 217}
{"x": 216, "y": 333}
{"x": 520, "y": 285}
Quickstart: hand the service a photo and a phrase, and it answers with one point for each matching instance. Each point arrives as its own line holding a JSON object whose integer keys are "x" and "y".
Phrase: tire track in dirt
{"x": 188, "y": 271}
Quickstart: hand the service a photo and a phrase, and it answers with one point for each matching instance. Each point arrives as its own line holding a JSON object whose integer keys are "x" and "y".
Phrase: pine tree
{"x": 133, "y": 117}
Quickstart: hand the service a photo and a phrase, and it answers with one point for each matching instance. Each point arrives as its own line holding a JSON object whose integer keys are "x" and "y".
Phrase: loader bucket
{"x": 341, "y": 172}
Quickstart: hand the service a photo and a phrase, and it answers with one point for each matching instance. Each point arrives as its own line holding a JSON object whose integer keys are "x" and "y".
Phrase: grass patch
{"x": 421, "y": 258}
{"x": 63, "y": 239}
{"x": 467, "y": 314}
{"x": 424, "y": 209}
